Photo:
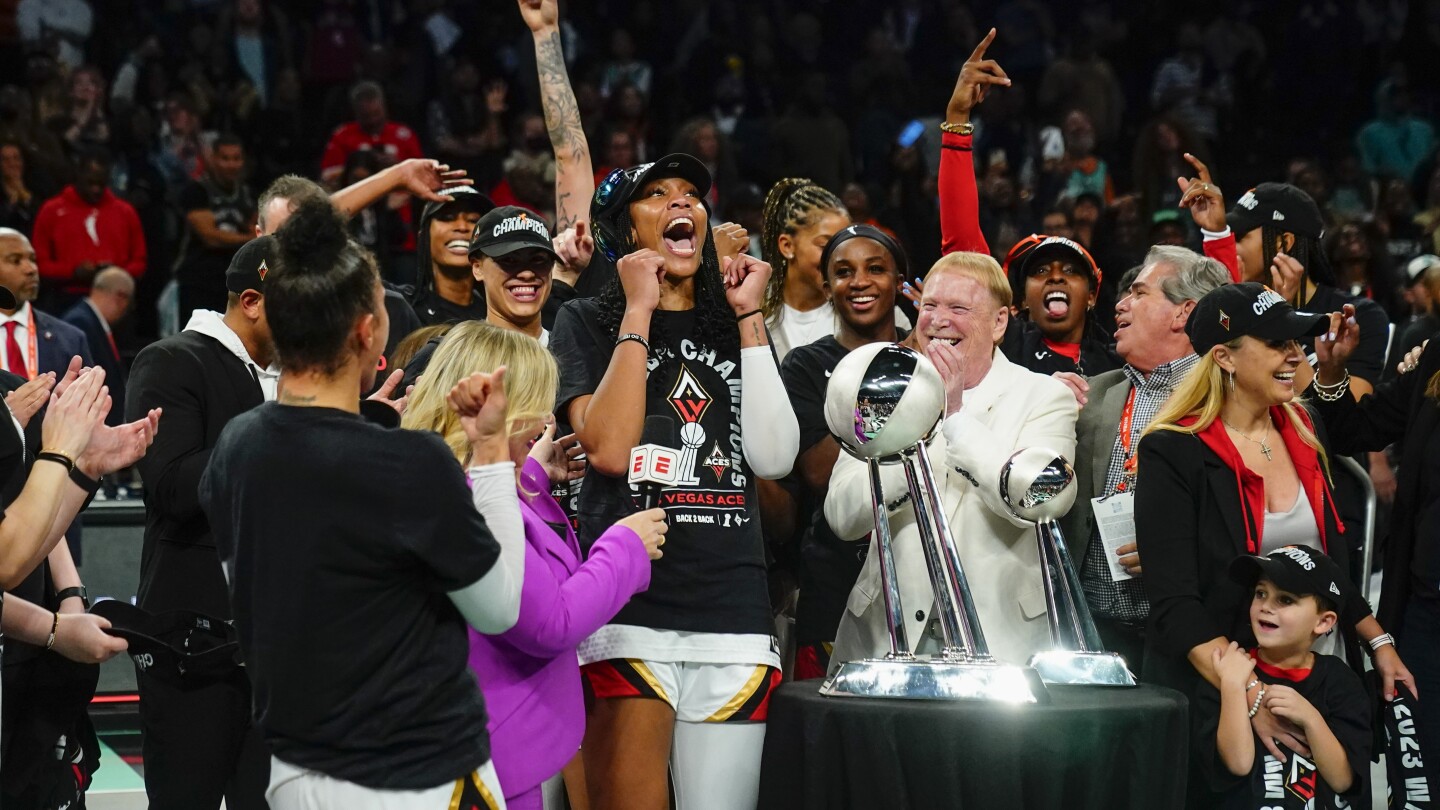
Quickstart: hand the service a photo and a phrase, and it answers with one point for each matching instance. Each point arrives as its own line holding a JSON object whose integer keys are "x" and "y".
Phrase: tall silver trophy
{"x": 883, "y": 403}
{"x": 1038, "y": 486}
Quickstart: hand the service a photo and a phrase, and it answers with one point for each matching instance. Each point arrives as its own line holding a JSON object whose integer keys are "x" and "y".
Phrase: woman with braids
{"x": 800, "y": 218}
{"x": 683, "y": 672}
{"x": 356, "y": 554}
{"x": 529, "y": 673}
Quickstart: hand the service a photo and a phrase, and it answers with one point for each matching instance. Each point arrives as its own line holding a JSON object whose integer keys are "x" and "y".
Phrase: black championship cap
{"x": 621, "y": 186}
{"x": 1056, "y": 248}
{"x": 510, "y": 228}
{"x": 1279, "y": 204}
{"x": 181, "y": 647}
{"x": 251, "y": 264}
{"x": 1301, "y": 570}
{"x": 464, "y": 198}
{"x": 1236, "y": 310}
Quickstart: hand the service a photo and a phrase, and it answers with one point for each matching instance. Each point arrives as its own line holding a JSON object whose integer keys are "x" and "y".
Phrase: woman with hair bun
{"x": 356, "y": 555}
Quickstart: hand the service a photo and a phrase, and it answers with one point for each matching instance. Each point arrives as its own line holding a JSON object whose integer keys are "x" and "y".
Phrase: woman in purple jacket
{"x": 530, "y": 674}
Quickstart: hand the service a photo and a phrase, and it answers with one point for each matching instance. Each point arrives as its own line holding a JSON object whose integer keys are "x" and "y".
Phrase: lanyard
{"x": 30, "y": 369}
{"x": 1128, "y": 467}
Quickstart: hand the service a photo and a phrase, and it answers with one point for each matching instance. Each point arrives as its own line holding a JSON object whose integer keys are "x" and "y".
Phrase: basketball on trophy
{"x": 883, "y": 398}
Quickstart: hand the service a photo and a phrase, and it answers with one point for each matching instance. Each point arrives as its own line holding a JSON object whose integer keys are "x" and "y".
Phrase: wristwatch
{"x": 77, "y": 590}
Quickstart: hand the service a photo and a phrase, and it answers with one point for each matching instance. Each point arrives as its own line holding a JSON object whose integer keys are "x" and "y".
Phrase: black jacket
{"x": 1397, "y": 410}
{"x": 1190, "y": 524}
{"x": 1024, "y": 346}
{"x": 201, "y": 385}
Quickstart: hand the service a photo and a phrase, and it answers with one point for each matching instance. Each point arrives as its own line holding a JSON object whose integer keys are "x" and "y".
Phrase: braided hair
{"x": 1307, "y": 251}
{"x": 792, "y": 204}
{"x": 715, "y": 326}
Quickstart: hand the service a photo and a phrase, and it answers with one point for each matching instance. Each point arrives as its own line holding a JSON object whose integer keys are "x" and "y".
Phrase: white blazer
{"x": 1011, "y": 408}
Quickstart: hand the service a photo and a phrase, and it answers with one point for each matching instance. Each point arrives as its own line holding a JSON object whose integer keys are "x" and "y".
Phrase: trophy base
{"x": 935, "y": 679}
{"x": 1075, "y": 668}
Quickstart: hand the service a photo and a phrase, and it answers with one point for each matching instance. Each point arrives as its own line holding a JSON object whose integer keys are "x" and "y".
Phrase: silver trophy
{"x": 883, "y": 403}
{"x": 1038, "y": 486}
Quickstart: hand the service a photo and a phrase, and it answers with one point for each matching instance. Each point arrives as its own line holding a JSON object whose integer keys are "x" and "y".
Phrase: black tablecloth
{"x": 1089, "y": 748}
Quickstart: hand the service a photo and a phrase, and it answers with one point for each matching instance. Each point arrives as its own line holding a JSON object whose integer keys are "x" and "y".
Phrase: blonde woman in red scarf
{"x": 1233, "y": 466}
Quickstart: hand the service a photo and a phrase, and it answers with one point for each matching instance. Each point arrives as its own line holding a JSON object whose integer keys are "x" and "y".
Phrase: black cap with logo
{"x": 1053, "y": 248}
{"x": 1301, "y": 570}
{"x": 251, "y": 264}
{"x": 180, "y": 647}
{"x": 1279, "y": 204}
{"x": 464, "y": 198}
{"x": 508, "y": 229}
{"x": 622, "y": 185}
{"x": 1236, "y": 310}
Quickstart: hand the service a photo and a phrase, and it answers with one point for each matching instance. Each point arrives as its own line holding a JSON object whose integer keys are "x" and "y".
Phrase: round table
{"x": 1090, "y": 747}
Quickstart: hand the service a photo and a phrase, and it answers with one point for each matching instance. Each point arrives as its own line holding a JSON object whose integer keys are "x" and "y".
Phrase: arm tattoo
{"x": 562, "y": 114}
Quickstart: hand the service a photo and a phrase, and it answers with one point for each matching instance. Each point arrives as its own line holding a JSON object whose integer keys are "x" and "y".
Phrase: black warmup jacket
{"x": 201, "y": 385}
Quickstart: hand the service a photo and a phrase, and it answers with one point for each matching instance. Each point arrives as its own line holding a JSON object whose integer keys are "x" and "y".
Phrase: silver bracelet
{"x": 1331, "y": 393}
{"x": 1259, "y": 696}
{"x": 1380, "y": 641}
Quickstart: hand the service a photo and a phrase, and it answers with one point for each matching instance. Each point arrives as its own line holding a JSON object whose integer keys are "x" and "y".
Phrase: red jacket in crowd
{"x": 69, "y": 232}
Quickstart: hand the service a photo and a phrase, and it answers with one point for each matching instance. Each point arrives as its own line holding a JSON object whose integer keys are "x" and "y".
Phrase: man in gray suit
{"x": 1150, "y": 338}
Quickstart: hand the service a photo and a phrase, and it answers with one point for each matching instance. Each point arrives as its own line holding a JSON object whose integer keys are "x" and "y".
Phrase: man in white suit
{"x": 993, "y": 408}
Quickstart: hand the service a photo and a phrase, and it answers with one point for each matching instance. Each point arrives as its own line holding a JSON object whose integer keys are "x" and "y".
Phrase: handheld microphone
{"x": 655, "y": 463}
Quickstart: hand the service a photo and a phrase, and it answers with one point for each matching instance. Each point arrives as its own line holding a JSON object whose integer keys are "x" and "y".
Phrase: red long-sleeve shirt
{"x": 959, "y": 198}
{"x": 1222, "y": 249}
{"x": 70, "y": 232}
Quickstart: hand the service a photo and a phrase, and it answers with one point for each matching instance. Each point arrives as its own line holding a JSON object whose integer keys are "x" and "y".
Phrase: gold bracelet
{"x": 966, "y": 128}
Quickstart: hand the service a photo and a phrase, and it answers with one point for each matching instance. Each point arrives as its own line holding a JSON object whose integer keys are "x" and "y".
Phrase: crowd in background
{"x": 199, "y": 105}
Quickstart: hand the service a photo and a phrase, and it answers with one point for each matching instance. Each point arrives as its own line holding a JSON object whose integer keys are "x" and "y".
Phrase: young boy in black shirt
{"x": 1296, "y": 593}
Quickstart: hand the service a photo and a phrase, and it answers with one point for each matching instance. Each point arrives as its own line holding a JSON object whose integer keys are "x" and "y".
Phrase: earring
{"x": 1232, "y": 381}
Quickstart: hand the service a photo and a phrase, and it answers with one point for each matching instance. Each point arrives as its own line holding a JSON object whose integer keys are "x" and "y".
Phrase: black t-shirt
{"x": 829, "y": 566}
{"x": 199, "y": 264}
{"x": 340, "y": 540}
{"x": 432, "y": 309}
{"x": 1368, "y": 361}
{"x": 1337, "y": 693}
{"x": 1426, "y": 565}
{"x": 712, "y": 577}
{"x": 1025, "y": 346}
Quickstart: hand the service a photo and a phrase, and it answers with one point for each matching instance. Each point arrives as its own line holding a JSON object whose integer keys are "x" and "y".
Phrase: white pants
{"x": 293, "y": 788}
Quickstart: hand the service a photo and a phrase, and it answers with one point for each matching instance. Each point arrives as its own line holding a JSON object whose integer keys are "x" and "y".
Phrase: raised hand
{"x": 914, "y": 290}
{"x": 745, "y": 280}
{"x": 951, "y": 365}
{"x": 640, "y": 275}
{"x": 1333, "y": 349}
{"x": 429, "y": 179}
{"x": 1202, "y": 197}
{"x": 27, "y": 400}
{"x": 977, "y": 76}
{"x": 385, "y": 393}
{"x": 731, "y": 239}
{"x": 651, "y": 527}
{"x": 1287, "y": 276}
{"x": 73, "y": 415}
{"x": 72, "y": 373}
{"x": 560, "y": 457}
{"x": 115, "y": 448}
{"x": 540, "y": 15}
{"x": 576, "y": 247}
{"x": 480, "y": 402}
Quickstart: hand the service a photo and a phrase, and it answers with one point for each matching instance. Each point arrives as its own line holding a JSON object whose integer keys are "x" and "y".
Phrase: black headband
{"x": 902, "y": 265}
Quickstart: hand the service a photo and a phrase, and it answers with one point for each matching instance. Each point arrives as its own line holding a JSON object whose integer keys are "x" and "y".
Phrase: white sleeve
{"x": 769, "y": 434}
{"x": 976, "y": 452}
{"x": 491, "y": 604}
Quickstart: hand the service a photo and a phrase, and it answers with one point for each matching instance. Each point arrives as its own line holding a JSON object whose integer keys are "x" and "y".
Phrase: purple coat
{"x": 530, "y": 674}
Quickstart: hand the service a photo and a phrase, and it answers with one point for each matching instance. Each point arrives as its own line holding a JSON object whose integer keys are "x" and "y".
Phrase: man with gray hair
{"x": 1150, "y": 337}
{"x": 110, "y": 295}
